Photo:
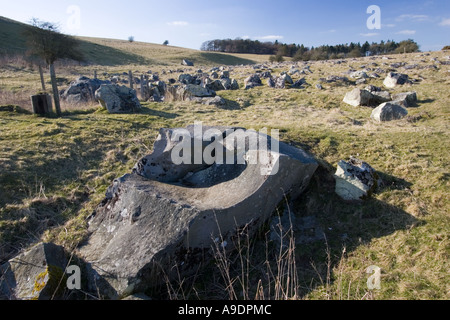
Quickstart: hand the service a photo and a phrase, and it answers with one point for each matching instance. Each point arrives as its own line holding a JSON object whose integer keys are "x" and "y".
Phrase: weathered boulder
{"x": 379, "y": 96}
{"x": 163, "y": 219}
{"x": 265, "y": 74}
{"x": 358, "y": 75}
{"x": 83, "y": 90}
{"x": 37, "y": 274}
{"x": 271, "y": 82}
{"x": 234, "y": 85}
{"x": 299, "y": 84}
{"x": 252, "y": 81}
{"x": 187, "y": 63}
{"x": 216, "y": 85}
{"x": 118, "y": 99}
{"x": 355, "y": 180}
{"x": 185, "y": 78}
{"x": 358, "y": 97}
{"x": 394, "y": 79}
{"x": 287, "y": 78}
{"x": 405, "y": 99}
{"x": 187, "y": 93}
{"x": 280, "y": 83}
{"x": 388, "y": 111}
{"x": 225, "y": 75}
{"x": 216, "y": 101}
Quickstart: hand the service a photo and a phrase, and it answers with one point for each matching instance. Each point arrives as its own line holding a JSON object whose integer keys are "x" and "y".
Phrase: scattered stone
{"x": 216, "y": 101}
{"x": 83, "y": 90}
{"x": 215, "y": 85}
{"x": 225, "y": 75}
{"x": 187, "y": 93}
{"x": 394, "y": 79}
{"x": 379, "y": 96}
{"x": 186, "y": 78}
{"x": 319, "y": 86}
{"x": 280, "y": 83}
{"x": 265, "y": 74}
{"x": 299, "y": 84}
{"x": 286, "y": 78}
{"x": 355, "y": 180}
{"x": 405, "y": 99}
{"x": 187, "y": 63}
{"x": 118, "y": 99}
{"x": 388, "y": 111}
{"x": 358, "y": 97}
{"x": 333, "y": 78}
{"x": 252, "y": 81}
{"x": 358, "y": 75}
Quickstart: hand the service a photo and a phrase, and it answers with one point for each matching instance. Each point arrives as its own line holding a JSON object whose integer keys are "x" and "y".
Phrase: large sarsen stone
{"x": 162, "y": 220}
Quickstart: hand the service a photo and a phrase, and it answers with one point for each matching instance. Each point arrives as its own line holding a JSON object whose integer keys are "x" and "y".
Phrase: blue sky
{"x": 190, "y": 23}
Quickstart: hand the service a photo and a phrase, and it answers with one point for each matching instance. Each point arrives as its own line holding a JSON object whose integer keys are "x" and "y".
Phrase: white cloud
{"x": 389, "y": 25}
{"x": 445, "y": 22}
{"x": 178, "y": 23}
{"x": 245, "y": 37}
{"x": 414, "y": 17}
{"x": 270, "y": 37}
{"x": 408, "y": 32}
{"x": 370, "y": 34}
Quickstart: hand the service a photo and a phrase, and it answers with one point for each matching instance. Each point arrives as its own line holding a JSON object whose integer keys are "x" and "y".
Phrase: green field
{"x": 55, "y": 171}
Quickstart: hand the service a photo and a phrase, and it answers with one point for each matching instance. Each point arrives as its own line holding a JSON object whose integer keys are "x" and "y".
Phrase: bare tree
{"x": 45, "y": 41}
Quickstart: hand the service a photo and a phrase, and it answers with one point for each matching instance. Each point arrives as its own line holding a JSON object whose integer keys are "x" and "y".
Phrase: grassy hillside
{"x": 11, "y": 38}
{"x": 55, "y": 171}
{"x": 109, "y": 52}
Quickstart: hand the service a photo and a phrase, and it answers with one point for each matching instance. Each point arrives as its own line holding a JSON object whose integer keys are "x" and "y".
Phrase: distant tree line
{"x": 300, "y": 52}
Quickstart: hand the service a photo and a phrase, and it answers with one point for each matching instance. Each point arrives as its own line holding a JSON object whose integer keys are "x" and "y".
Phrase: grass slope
{"x": 110, "y": 52}
{"x": 55, "y": 171}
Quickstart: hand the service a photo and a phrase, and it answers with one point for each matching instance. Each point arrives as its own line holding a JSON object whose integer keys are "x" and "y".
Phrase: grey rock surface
{"x": 394, "y": 79}
{"x": 82, "y": 90}
{"x": 388, "y": 111}
{"x": 36, "y": 274}
{"x": 358, "y": 97}
{"x": 118, "y": 99}
{"x": 355, "y": 180}
{"x": 162, "y": 220}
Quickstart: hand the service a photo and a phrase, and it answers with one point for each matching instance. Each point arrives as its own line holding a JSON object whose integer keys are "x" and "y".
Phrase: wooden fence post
{"x": 142, "y": 88}
{"x": 42, "y": 78}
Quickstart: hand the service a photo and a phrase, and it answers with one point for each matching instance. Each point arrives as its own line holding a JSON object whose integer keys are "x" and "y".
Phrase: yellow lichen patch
{"x": 40, "y": 283}
{"x": 52, "y": 280}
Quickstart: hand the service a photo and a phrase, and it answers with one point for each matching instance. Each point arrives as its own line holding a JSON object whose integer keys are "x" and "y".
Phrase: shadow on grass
{"x": 331, "y": 225}
{"x": 344, "y": 225}
{"x": 158, "y": 113}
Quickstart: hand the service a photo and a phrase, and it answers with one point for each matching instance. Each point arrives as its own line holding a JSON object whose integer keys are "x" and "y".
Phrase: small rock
{"x": 187, "y": 63}
{"x": 358, "y": 97}
{"x": 118, "y": 99}
{"x": 388, "y": 111}
{"x": 405, "y": 99}
{"x": 394, "y": 79}
{"x": 355, "y": 180}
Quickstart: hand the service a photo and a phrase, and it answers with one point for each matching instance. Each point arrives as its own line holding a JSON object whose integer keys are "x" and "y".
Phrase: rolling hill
{"x": 108, "y": 52}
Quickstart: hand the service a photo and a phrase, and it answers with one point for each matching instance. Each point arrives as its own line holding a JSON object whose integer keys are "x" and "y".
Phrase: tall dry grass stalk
{"x": 280, "y": 279}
